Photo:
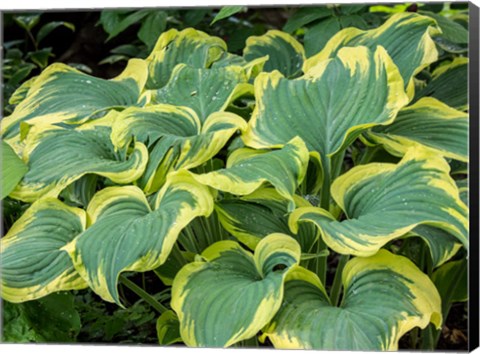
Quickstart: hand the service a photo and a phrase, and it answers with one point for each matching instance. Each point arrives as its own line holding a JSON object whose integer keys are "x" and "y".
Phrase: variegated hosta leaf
{"x": 248, "y": 169}
{"x": 385, "y": 296}
{"x": 449, "y": 84}
{"x": 285, "y": 53}
{"x": 168, "y": 328}
{"x": 13, "y": 169}
{"x": 175, "y": 137}
{"x": 405, "y": 36}
{"x": 204, "y": 90}
{"x": 126, "y": 234}
{"x": 257, "y": 215}
{"x": 56, "y": 157}
{"x": 34, "y": 263}
{"x": 62, "y": 93}
{"x": 442, "y": 245}
{"x": 330, "y": 105}
{"x": 22, "y": 91}
{"x": 430, "y": 123}
{"x": 384, "y": 201}
{"x": 192, "y": 47}
{"x": 80, "y": 192}
{"x": 231, "y": 294}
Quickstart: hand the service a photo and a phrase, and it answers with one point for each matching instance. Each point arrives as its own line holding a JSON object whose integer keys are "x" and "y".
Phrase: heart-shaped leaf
{"x": 248, "y": 169}
{"x": 204, "y": 90}
{"x": 385, "y": 296}
{"x": 330, "y": 105}
{"x": 175, "y": 137}
{"x": 231, "y": 294}
{"x": 57, "y": 157}
{"x": 384, "y": 201}
{"x": 34, "y": 263}
{"x": 285, "y": 53}
{"x": 194, "y": 48}
{"x": 127, "y": 234}
{"x": 405, "y": 36}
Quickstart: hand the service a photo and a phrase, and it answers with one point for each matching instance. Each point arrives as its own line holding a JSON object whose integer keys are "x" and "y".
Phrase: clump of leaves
{"x": 21, "y": 57}
{"x": 234, "y": 179}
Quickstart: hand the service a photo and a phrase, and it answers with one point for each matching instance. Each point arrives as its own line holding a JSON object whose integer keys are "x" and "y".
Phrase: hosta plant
{"x": 279, "y": 197}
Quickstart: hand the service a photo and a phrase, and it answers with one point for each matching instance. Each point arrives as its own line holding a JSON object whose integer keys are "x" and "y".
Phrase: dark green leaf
{"x": 451, "y": 282}
{"x": 451, "y": 30}
{"x": 318, "y": 35}
{"x": 114, "y": 22}
{"x": 227, "y": 11}
{"x": 449, "y": 85}
{"x": 152, "y": 27}
{"x": 112, "y": 59}
{"x": 305, "y": 15}
{"x": 49, "y": 27}
{"x": 40, "y": 57}
{"x": 126, "y": 49}
{"x": 50, "y": 319}
{"x": 21, "y": 74}
{"x": 27, "y": 21}
{"x": 350, "y": 9}
{"x": 194, "y": 17}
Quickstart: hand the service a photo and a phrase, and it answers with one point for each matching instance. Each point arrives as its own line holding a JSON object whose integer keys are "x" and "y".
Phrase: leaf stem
{"x": 337, "y": 281}
{"x": 143, "y": 294}
{"x": 321, "y": 263}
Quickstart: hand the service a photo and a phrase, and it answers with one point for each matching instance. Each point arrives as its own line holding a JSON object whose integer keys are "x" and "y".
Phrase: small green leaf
{"x": 27, "y": 21}
{"x": 21, "y": 74}
{"x": 305, "y": 15}
{"x": 49, "y": 27}
{"x": 227, "y": 11}
{"x": 40, "y": 57}
{"x": 193, "y": 17}
{"x": 115, "y": 22}
{"x": 152, "y": 27}
{"x": 112, "y": 59}
{"x": 129, "y": 50}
